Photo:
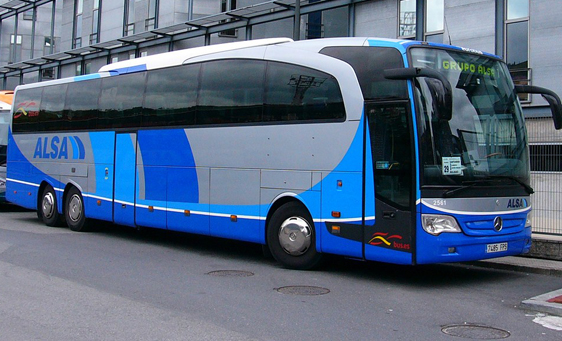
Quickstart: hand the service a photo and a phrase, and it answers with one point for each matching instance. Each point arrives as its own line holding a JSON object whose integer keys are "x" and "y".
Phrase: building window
{"x": 135, "y": 10}
{"x": 517, "y": 43}
{"x": 314, "y": 26}
{"x": 407, "y": 20}
{"x": 15, "y": 48}
{"x": 129, "y": 28}
{"x": 28, "y": 15}
{"x": 77, "y": 32}
{"x": 228, "y": 5}
{"x": 434, "y": 21}
{"x": 96, "y": 19}
{"x": 48, "y": 46}
{"x": 151, "y": 21}
{"x": 47, "y": 74}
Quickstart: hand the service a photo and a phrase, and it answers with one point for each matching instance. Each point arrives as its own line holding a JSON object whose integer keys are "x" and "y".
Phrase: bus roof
{"x": 180, "y": 56}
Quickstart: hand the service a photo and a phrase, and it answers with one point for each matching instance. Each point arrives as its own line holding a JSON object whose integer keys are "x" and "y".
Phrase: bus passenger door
{"x": 125, "y": 179}
{"x": 389, "y": 147}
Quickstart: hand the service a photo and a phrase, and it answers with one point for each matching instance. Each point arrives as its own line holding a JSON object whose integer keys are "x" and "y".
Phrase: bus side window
{"x": 171, "y": 96}
{"x": 121, "y": 100}
{"x": 298, "y": 93}
{"x": 231, "y": 92}
{"x": 52, "y": 106}
{"x": 80, "y": 110}
{"x": 26, "y": 110}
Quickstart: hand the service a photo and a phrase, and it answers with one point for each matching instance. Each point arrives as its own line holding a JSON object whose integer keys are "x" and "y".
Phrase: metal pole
{"x": 190, "y": 10}
{"x": 297, "y": 27}
{"x": 420, "y": 19}
{"x": 351, "y": 19}
{"x": 248, "y": 32}
{"x": 500, "y": 27}
{"x": 52, "y": 47}
{"x": 34, "y": 20}
{"x": 15, "y": 45}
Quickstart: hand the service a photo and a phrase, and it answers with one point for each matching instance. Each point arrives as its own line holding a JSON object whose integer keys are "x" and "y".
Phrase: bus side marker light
{"x": 150, "y": 208}
{"x": 29, "y": 193}
{"x": 233, "y": 218}
{"x": 452, "y": 250}
{"x": 336, "y": 214}
{"x": 187, "y": 213}
{"x": 340, "y": 183}
{"x": 98, "y": 202}
{"x": 335, "y": 229}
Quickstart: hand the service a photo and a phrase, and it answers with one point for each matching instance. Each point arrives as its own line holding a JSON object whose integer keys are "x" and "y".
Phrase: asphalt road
{"x": 119, "y": 284}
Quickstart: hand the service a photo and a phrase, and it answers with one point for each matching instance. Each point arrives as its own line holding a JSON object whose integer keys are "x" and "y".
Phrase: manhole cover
{"x": 230, "y": 273}
{"x": 475, "y": 332}
{"x": 303, "y": 290}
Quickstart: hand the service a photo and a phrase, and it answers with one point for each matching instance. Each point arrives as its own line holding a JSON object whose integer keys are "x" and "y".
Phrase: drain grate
{"x": 303, "y": 290}
{"x": 475, "y": 332}
{"x": 230, "y": 273}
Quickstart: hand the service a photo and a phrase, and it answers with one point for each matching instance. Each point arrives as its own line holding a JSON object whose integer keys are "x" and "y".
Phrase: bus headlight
{"x": 436, "y": 224}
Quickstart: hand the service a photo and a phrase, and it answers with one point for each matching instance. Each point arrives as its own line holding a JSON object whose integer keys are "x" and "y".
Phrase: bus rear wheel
{"x": 74, "y": 211}
{"x": 47, "y": 210}
{"x": 291, "y": 237}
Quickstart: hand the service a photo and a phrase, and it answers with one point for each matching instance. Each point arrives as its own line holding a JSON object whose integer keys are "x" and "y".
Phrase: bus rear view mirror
{"x": 441, "y": 95}
{"x": 550, "y": 96}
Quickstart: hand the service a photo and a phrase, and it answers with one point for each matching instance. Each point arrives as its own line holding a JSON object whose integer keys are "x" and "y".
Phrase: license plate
{"x": 499, "y": 247}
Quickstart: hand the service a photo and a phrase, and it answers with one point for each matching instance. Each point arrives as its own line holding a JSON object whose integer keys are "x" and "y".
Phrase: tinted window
{"x": 121, "y": 101}
{"x": 81, "y": 105}
{"x": 52, "y": 106}
{"x": 26, "y": 110}
{"x": 231, "y": 92}
{"x": 369, "y": 63}
{"x": 171, "y": 96}
{"x": 298, "y": 93}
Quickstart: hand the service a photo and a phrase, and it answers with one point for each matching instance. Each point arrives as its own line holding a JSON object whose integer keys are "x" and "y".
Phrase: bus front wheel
{"x": 74, "y": 211}
{"x": 291, "y": 237}
{"x": 47, "y": 210}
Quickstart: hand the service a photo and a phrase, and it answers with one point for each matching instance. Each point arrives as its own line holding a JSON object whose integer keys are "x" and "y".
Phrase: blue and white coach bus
{"x": 387, "y": 150}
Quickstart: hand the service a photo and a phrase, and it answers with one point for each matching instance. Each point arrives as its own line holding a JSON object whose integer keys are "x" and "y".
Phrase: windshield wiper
{"x": 488, "y": 179}
{"x": 466, "y": 185}
{"x": 528, "y": 188}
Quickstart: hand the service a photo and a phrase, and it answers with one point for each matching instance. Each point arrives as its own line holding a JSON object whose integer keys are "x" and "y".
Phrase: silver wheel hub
{"x": 75, "y": 208}
{"x": 295, "y": 236}
{"x": 48, "y": 205}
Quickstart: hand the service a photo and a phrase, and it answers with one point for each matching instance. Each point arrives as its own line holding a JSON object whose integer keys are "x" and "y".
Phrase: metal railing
{"x": 545, "y": 145}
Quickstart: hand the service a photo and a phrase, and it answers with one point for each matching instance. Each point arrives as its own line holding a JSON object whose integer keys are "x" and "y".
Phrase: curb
{"x": 523, "y": 264}
{"x": 540, "y": 303}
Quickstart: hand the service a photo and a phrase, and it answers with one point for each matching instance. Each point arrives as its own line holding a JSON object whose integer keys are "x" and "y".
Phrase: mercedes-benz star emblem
{"x": 498, "y": 224}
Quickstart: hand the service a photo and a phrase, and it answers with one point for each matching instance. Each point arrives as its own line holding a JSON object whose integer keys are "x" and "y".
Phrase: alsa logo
{"x": 516, "y": 203}
{"x": 58, "y": 148}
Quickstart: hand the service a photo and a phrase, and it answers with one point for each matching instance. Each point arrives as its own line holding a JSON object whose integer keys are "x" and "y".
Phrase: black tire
{"x": 74, "y": 211}
{"x": 291, "y": 237}
{"x": 47, "y": 207}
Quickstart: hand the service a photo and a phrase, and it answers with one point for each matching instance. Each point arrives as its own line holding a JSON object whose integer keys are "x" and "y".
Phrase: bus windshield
{"x": 485, "y": 140}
